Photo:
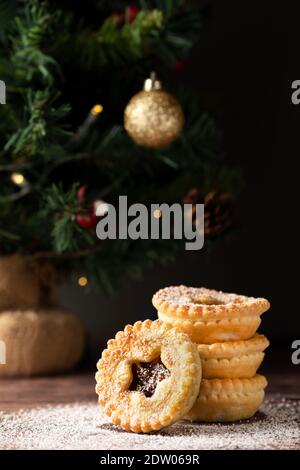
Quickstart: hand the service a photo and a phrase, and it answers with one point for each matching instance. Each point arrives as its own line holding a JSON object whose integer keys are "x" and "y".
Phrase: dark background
{"x": 247, "y": 58}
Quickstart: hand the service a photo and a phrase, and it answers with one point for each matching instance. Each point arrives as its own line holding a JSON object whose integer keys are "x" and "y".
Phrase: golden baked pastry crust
{"x": 197, "y": 303}
{"x": 229, "y": 349}
{"x": 208, "y": 332}
{"x": 232, "y": 368}
{"x": 144, "y": 342}
{"x": 228, "y": 399}
{"x": 232, "y": 359}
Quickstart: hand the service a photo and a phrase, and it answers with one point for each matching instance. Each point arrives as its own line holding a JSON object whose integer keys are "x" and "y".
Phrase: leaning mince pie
{"x": 228, "y": 399}
{"x": 148, "y": 377}
{"x": 209, "y": 316}
{"x": 232, "y": 359}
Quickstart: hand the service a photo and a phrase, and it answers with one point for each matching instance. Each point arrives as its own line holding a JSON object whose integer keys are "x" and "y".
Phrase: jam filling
{"x": 146, "y": 376}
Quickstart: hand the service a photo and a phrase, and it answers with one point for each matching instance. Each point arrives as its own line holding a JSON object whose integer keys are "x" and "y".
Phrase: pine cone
{"x": 218, "y": 210}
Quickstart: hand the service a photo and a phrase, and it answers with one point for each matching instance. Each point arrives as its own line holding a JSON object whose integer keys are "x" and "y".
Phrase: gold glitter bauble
{"x": 153, "y": 118}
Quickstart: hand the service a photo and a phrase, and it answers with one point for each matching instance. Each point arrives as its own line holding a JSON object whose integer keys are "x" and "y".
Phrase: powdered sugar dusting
{"x": 199, "y": 301}
{"x": 84, "y": 426}
{"x": 183, "y": 295}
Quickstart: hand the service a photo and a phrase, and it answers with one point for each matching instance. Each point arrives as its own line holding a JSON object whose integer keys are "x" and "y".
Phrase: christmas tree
{"x": 70, "y": 69}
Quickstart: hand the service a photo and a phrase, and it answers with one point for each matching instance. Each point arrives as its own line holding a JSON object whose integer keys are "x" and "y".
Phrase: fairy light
{"x": 97, "y": 109}
{"x": 157, "y": 214}
{"x": 17, "y": 178}
{"x": 82, "y": 281}
{"x": 89, "y": 120}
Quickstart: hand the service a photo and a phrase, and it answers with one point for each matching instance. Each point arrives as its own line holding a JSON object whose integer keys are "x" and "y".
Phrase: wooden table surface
{"x": 18, "y": 394}
{"x": 82, "y": 426}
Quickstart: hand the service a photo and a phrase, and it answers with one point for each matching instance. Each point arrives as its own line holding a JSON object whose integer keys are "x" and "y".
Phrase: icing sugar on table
{"x": 84, "y": 426}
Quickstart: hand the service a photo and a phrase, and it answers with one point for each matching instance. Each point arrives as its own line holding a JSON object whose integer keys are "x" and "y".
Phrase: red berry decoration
{"x": 88, "y": 220}
{"x": 81, "y": 193}
{"x": 131, "y": 13}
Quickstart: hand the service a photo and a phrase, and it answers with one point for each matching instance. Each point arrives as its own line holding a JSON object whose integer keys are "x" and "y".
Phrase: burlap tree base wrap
{"x": 37, "y": 336}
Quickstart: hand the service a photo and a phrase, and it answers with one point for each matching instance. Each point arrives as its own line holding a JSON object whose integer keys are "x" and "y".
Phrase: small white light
{"x": 17, "y": 178}
{"x": 101, "y": 208}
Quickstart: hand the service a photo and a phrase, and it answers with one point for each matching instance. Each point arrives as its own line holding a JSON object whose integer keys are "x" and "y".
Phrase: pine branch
{"x": 161, "y": 33}
{"x": 61, "y": 206}
{"x": 61, "y": 52}
{"x": 42, "y": 125}
{"x": 33, "y": 30}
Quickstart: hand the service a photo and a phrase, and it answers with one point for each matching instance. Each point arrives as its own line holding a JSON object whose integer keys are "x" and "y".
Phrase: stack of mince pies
{"x": 223, "y": 326}
{"x": 198, "y": 361}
